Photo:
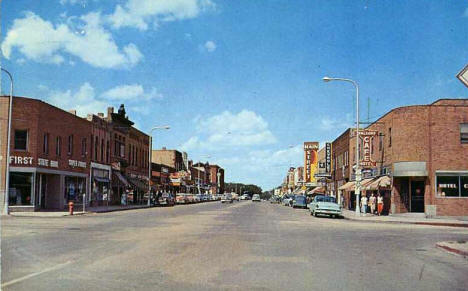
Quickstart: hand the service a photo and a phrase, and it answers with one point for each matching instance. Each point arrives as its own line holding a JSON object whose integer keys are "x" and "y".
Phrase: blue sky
{"x": 239, "y": 81}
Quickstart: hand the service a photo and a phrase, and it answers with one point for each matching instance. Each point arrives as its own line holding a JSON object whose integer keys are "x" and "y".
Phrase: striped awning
{"x": 378, "y": 183}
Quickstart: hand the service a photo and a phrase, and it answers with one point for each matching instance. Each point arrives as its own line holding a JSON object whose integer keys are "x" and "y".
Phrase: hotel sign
{"x": 328, "y": 153}
{"x": 310, "y": 161}
{"x": 367, "y": 136}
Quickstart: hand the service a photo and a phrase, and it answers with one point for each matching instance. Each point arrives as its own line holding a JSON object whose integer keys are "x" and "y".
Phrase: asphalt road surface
{"x": 214, "y": 246}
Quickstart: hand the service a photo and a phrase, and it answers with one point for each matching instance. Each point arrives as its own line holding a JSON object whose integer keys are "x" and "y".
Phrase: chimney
{"x": 164, "y": 148}
{"x": 73, "y": 111}
{"x": 110, "y": 110}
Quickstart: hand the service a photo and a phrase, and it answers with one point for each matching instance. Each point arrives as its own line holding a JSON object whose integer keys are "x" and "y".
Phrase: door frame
{"x": 416, "y": 179}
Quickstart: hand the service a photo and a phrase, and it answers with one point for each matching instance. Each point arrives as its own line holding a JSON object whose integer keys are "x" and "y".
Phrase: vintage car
{"x": 166, "y": 199}
{"x": 325, "y": 205}
{"x": 300, "y": 201}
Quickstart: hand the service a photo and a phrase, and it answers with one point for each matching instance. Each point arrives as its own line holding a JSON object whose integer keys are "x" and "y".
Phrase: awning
{"x": 347, "y": 187}
{"x": 141, "y": 185}
{"x": 317, "y": 190}
{"x": 101, "y": 180}
{"x": 409, "y": 169}
{"x": 381, "y": 182}
{"x": 121, "y": 178}
{"x": 365, "y": 182}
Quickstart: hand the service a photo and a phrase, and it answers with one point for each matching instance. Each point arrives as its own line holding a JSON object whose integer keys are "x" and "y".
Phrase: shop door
{"x": 43, "y": 190}
{"x": 417, "y": 196}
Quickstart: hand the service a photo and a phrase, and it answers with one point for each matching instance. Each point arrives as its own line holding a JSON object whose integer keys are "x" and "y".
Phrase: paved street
{"x": 214, "y": 246}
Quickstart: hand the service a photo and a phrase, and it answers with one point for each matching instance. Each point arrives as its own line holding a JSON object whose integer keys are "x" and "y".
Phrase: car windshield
{"x": 325, "y": 199}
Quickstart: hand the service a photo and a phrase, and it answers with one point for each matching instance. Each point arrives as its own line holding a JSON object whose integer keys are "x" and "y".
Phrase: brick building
{"x": 174, "y": 159}
{"x": 50, "y": 156}
{"x": 100, "y": 154}
{"x": 129, "y": 159}
{"x": 216, "y": 179}
{"x": 424, "y": 149}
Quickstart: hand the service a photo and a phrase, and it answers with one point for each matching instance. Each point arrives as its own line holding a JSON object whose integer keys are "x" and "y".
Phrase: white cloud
{"x": 210, "y": 46}
{"x": 131, "y": 92}
{"x": 85, "y": 100}
{"x": 140, "y": 13}
{"x": 42, "y": 41}
{"x": 328, "y": 123}
{"x": 225, "y": 130}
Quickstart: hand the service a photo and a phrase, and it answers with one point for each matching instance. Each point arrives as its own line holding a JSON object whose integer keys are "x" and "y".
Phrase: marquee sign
{"x": 367, "y": 137}
{"x": 310, "y": 161}
{"x": 328, "y": 153}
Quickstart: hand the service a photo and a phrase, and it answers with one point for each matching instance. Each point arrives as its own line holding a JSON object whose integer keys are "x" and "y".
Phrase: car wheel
{"x": 315, "y": 214}
{"x": 311, "y": 213}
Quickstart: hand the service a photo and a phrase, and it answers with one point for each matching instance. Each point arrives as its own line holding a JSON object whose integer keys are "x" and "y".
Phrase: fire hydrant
{"x": 70, "y": 207}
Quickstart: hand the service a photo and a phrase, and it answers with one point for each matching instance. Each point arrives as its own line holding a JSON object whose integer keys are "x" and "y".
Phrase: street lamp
{"x": 7, "y": 182}
{"x": 149, "y": 158}
{"x": 357, "y": 184}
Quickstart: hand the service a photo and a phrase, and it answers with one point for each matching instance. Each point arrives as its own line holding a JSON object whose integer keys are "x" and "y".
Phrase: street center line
{"x": 35, "y": 274}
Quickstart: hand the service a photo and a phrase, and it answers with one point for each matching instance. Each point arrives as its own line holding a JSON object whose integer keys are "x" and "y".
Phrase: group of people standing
{"x": 370, "y": 203}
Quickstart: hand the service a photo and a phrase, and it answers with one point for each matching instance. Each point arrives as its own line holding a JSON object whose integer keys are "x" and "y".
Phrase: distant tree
{"x": 241, "y": 188}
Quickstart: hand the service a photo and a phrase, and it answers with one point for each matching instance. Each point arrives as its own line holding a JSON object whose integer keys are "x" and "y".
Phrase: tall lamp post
{"x": 149, "y": 158}
{"x": 7, "y": 176}
{"x": 357, "y": 184}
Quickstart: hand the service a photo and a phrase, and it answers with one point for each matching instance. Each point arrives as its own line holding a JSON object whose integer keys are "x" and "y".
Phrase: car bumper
{"x": 328, "y": 211}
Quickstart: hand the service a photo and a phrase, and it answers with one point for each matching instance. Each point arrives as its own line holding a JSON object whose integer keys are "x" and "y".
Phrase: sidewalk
{"x": 408, "y": 219}
{"x": 99, "y": 209}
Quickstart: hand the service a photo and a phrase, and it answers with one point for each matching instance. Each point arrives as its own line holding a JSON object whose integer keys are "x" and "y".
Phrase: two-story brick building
{"x": 50, "y": 156}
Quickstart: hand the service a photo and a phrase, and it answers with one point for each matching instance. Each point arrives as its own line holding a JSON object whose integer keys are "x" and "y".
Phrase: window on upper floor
{"x": 21, "y": 139}
{"x": 389, "y": 137}
{"x": 70, "y": 145}
{"x": 58, "y": 146}
{"x": 464, "y": 132}
{"x": 45, "y": 144}
{"x": 84, "y": 146}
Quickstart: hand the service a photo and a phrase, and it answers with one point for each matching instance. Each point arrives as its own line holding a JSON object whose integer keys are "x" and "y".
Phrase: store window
{"x": 20, "y": 189}
{"x": 75, "y": 187}
{"x": 464, "y": 186}
{"x": 21, "y": 139}
{"x": 389, "y": 137}
{"x": 452, "y": 185}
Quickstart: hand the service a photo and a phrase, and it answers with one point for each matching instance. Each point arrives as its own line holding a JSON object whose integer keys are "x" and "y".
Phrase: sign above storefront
{"x": 310, "y": 161}
{"x": 47, "y": 163}
{"x": 21, "y": 160}
{"x": 74, "y": 163}
{"x": 328, "y": 150}
{"x": 367, "y": 136}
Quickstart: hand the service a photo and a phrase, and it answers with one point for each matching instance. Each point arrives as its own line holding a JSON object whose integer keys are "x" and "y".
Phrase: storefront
{"x": 33, "y": 189}
{"x": 100, "y": 184}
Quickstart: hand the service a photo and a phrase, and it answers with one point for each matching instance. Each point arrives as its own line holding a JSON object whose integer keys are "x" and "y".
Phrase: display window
{"x": 75, "y": 187}
{"x": 451, "y": 185}
{"x": 20, "y": 189}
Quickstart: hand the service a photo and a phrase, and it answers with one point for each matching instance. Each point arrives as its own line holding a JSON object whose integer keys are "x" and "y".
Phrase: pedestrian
{"x": 379, "y": 204}
{"x": 372, "y": 203}
{"x": 364, "y": 204}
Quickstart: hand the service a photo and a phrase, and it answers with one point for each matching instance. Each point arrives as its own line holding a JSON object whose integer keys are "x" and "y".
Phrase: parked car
{"x": 300, "y": 201}
{"x": 256, "y": 198}
{"x": 325, "y": 205}
{"x": 166, "y": 199}
{"x": 227, "y": 198}
{"x": 286, "y": 200}
{"x": 181, "y": 199}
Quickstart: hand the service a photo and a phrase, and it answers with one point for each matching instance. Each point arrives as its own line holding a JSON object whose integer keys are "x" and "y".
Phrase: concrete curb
{"x": 119, "y": 209}
{"x": 411, "y": 222}
{"x": 452, "y": 250}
